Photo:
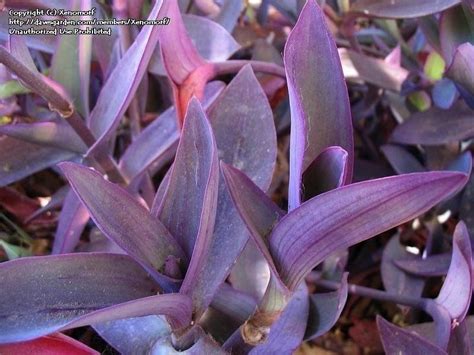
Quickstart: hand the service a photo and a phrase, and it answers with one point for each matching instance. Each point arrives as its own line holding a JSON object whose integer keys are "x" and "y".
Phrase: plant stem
{"x": 363, "y": 291}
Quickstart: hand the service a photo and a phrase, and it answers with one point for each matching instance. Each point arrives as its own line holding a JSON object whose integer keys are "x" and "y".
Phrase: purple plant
{"x": 208, "y": 262}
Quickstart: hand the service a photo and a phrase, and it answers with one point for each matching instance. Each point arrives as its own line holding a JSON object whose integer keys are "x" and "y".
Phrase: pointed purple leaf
{"x": 433, "y": 265}
{"x": 327, "y": 172}
{"x": 320, "y": 111}
{"x": 19, "y": 159}
{"x": 348, "y": 215}
{"x": 125, "y": 221}
{"x": 325, "y": 309}
{"x": 256, "y": 209}
{"x": 20, "y": 50}
{"x": 246, "y": 138}
{"x": 55, "y": 133}
{"x": 287, "y": 333}
{"x": 455, "y": 295}
{"x": 436, "y": 126}
{"x": 72, "y": 220}
{"x": 44, "y": 294}
{"x": 188, "y": 208}
{"x": 401, "y": 8}
{"x": 396, "y": 340}
{"x": 401, "y": 160}
{"x": 119, "y": 89}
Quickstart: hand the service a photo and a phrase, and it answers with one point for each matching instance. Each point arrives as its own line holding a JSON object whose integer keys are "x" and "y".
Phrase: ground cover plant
{"x": 264, "y": 177}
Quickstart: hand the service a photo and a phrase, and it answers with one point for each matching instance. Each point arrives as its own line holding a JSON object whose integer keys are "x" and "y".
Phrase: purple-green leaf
{"x": 396, "y": 340}
{"x": 401, "y": 8}
{"x": 119, "y": 89}
{"x": 320, "y": 111}
{"x": 188, "y": 208}
{"x": 126, "y": 222}
{"x": 436, "y": 126}
{"x": 348, "y": 215}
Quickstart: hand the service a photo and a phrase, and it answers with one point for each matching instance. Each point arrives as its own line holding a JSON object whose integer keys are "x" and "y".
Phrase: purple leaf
{"x": 256, "y": 209}
{"x": 20, "y": 159}
{"x": 246, "y": 138}
{"x": 341, "y": 218}
{"x": 159, "y": 138}
{"x": 395, "y": 280}
{"x": 119, "y": 89}
{"x": 372, "y": 70}
{"x": 44, "y": 294}
{"x": 250, "y": 273}
{"x": 325, "y": 309}
{"x": 238, "y": 305}
{"x": 433, "y": 265}
{"x": 212, "y": 42}
{"x": 455, "y": 295}
{"x": 401, "y": 160}
{"x": 396, "y": 340}
{"x": 126, "y": 222}
{"x": 55, "y": 133}
{"x": 401, "y": 8}
{"x": 72, "y": 220}
{"x": 327, "y": 172}
{"x": 56, "y": 201}
{"x": 454, "y": 30}
{"x": 133, "y": 335}
{"x": 436, "y": 126}
{"x": 462, "y": 68}
{"x": 188, "y": 208}
{"x": 287, "y": 333}
{"x": 320, "y": 111}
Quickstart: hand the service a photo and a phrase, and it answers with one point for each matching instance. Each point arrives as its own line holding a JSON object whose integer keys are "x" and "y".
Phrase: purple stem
{"x": 415, "y": 302}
